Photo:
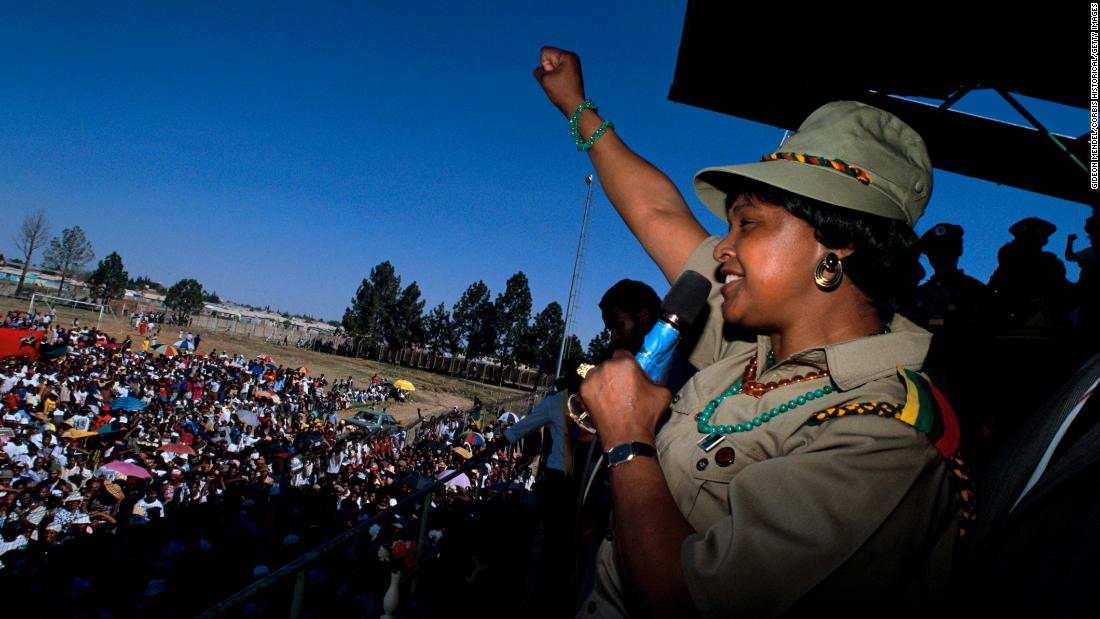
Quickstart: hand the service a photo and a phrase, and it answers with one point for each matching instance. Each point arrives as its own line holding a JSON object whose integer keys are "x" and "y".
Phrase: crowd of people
{"x": 197, "y": 471}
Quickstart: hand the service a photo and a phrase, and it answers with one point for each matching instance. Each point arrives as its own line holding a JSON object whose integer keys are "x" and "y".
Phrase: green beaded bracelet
{"x": 574, "y": 131}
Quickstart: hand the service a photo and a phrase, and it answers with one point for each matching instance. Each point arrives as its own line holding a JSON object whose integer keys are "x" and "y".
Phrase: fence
{"x": 482, "y": 371}
{"x": 290, "y": 334}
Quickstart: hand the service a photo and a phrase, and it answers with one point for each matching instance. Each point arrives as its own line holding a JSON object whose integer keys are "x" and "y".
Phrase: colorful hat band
{"x": 835, "y": 164}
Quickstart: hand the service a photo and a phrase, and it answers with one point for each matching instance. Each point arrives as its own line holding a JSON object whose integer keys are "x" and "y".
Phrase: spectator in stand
{"x": 1029, "y": 286}
{"x": 1087, "y": 288}
{"x": 955, "y": 308}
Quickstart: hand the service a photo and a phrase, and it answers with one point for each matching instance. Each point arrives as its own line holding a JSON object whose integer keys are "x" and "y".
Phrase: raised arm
{"x": 645, "y": 198}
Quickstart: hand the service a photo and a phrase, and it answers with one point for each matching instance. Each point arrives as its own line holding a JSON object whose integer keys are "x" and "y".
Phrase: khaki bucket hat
{"x": 847, "y": 154}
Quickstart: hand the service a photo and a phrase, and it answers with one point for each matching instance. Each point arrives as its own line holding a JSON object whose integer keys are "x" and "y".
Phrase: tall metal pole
{"x": 576, "y": 273}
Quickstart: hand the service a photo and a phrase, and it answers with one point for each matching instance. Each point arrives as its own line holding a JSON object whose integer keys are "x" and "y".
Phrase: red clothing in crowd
{"x": 101, "y": 419}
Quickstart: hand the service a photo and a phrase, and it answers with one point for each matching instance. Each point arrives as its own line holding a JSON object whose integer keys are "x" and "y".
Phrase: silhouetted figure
{"x": 1029, "y": 287}
{"x": 1086, "y": 312}
{"x": 951, "y": 304}
{"x": 954, "y": 307}
{"x": 1086, "y": 258}
{"x": 1031, "y": 319}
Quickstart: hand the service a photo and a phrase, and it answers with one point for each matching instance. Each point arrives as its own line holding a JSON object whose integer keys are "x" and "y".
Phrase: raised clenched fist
{"x": 559, "y": 74}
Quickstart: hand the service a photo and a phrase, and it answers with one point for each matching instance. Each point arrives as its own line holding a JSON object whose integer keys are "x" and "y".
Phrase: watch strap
{"x": 621, "y": 454}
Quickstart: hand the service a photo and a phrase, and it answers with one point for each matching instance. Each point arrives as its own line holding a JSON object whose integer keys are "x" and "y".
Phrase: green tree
{"x": 573, "y": 348}
{"x": 108, "y": 281}
{"x": 185, "y": 297}
{"x": 32, "y": 235}
{"x": 513, "y": 312}
{"x": 599, "y": 347}
{"x": 407, "y": 326}
{"x": 359, "y": 310}
{"x": 387, "y": 288}
{"x": 68, "y": 254}
{"x": 543, "y": 339}
{"x": 474, "y": 318}
{"x": 441, "y": 332}
{"x": 370, "y": 315}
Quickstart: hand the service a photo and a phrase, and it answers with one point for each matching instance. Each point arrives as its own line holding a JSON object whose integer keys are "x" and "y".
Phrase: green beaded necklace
{"x": 716, "y": 434}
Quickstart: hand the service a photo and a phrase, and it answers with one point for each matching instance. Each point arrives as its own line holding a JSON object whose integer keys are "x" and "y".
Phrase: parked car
{"x": 372, "y": 421}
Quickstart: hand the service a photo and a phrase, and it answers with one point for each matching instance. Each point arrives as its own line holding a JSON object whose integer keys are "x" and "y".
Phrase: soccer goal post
{"x": 55, "y": 302}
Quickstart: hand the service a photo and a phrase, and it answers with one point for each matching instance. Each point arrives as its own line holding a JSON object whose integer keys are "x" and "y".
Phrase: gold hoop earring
{"x": 832, "y": 265}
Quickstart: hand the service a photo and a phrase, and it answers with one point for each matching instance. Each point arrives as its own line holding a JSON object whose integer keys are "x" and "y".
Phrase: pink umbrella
{"x": 177, "y": 448}
{"x": 268, "y": 395}
{"x": 266, "y": 358}
{"x": 128, "y": 469}
{"x": 460, "y": 481}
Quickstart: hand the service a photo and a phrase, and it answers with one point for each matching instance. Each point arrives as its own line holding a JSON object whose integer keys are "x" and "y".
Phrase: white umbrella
{"x": 247, "y": 416}
{"x": 508, "y": 417}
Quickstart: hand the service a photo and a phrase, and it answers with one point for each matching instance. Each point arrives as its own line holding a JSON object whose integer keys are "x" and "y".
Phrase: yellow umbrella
{"x": 404, "y": 384}
{"x": 462, "y": 451}
{"x": 78, "y": 434}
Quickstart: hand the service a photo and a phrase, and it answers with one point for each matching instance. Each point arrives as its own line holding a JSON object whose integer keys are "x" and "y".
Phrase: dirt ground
{"x": 428, "y": 402}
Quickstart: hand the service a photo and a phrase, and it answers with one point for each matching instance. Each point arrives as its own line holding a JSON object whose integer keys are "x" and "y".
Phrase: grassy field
{"x": 434, "y": 392}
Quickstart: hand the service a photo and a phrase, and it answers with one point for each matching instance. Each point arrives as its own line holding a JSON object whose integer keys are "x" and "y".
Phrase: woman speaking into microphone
{"x": 808, "y": 464}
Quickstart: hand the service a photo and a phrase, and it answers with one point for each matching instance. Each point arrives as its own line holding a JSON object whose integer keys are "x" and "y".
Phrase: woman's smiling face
{"x": 768, "y": 260}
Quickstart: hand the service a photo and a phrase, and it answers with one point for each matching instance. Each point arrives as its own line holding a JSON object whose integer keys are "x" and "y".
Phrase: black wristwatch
{"x": 621, "y": 454}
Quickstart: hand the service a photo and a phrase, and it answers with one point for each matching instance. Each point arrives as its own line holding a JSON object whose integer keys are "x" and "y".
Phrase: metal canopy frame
{"x": 776, "y": 64}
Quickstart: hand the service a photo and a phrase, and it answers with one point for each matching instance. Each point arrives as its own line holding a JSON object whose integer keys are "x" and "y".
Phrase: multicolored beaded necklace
{"x": 748, "y": 385}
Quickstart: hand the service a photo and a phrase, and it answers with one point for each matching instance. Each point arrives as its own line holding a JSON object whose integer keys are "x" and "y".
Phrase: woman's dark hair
{"x": 885, "y": 261}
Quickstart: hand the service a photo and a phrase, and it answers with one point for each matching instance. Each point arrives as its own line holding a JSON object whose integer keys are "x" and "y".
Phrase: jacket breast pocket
{"x": 713, "y": 473}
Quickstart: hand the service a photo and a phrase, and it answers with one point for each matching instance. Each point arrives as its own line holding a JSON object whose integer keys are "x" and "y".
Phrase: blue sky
{"x": 277, "y": 151}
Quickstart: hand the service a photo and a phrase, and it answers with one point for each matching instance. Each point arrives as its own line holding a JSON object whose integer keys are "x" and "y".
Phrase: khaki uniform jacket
{"x": 853, "y": 513}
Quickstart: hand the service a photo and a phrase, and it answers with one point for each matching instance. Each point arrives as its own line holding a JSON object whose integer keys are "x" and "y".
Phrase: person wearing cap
{"x": 791, "y": 475}
{"x": 1030, "y": 301}
{"x": 954, "y": 307}
{"x": 1029, "y": 286}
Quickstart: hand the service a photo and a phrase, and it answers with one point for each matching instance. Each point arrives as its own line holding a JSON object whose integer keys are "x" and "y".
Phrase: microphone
{"x": 679, "y": 310}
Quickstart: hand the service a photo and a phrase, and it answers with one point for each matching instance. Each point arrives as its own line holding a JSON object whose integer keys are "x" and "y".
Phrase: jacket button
{"x": 701, "y": 464}
{"x": 724, "y": 457}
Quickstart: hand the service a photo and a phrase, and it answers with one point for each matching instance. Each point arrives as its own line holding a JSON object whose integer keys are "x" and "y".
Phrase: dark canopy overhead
{"x": 775, "y": 63}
